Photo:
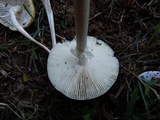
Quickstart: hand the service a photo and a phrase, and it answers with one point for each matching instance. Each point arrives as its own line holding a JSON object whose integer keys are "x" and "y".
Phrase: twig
{"x": 6, "y": 105}
{"x": 95, "y": 15}
{"x": 63, "y": 38}
{"x": 119, "y": 90}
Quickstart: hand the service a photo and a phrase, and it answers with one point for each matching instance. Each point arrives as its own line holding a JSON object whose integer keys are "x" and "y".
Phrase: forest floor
{"x": 130, "y": 27}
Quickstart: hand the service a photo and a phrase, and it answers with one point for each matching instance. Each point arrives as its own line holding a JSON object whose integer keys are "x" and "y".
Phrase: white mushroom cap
{"x": 82, "y": 78}
{"x": 148, "y": 76}
{"x": 24, "y": 17}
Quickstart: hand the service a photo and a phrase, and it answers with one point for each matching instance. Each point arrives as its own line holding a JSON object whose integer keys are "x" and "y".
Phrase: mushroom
{"x": 148, "y": 76}
{"x": 48, "y": 8}
{"x": 17, "y": 15}
{"x": 84, "y": 68}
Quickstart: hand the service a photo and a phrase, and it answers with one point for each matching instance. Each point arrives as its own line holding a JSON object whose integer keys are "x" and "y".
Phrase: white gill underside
{"x": 82, "y": 82}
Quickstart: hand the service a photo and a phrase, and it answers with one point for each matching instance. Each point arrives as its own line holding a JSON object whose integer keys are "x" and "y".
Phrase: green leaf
{"x": 34, "y": 53}
{"x": 64, "y": 24}
{"x": 3, "y": 47}
{"x": 131, "y": 105}
{"x": 88, "y": 113}
{"x": 24, "y": 42}
{"x": 92, "y": 112}
{"x": 28, "y": 11}
{"x": 157, "y": 29}
{"x": 86, "y": 117}
{"x": 143, "y": 97}
{"x": 147, "y": 88}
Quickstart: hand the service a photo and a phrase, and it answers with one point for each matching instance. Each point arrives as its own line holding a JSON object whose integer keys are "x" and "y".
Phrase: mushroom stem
{"x": 50, "y": 16}
{"x": 81, "y": 14}
{"x": 83, "y": 59}
{"x": 13, "y": 11}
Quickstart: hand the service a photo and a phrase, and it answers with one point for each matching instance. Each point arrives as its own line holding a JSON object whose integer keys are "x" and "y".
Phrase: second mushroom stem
{"x": 13, "y": 11}
{"x": 50, "y": 16}
{"x": 81, "y": 12}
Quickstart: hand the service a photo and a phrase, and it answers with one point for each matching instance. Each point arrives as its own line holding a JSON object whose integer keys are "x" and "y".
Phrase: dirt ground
{"x": 130, "y": 27}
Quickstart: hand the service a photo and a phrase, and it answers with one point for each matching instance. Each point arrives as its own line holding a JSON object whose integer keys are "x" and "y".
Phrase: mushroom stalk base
{"x": 17, "y": 8}
{"x": 83, "y": 57}
{"x": 13, "y": 12}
